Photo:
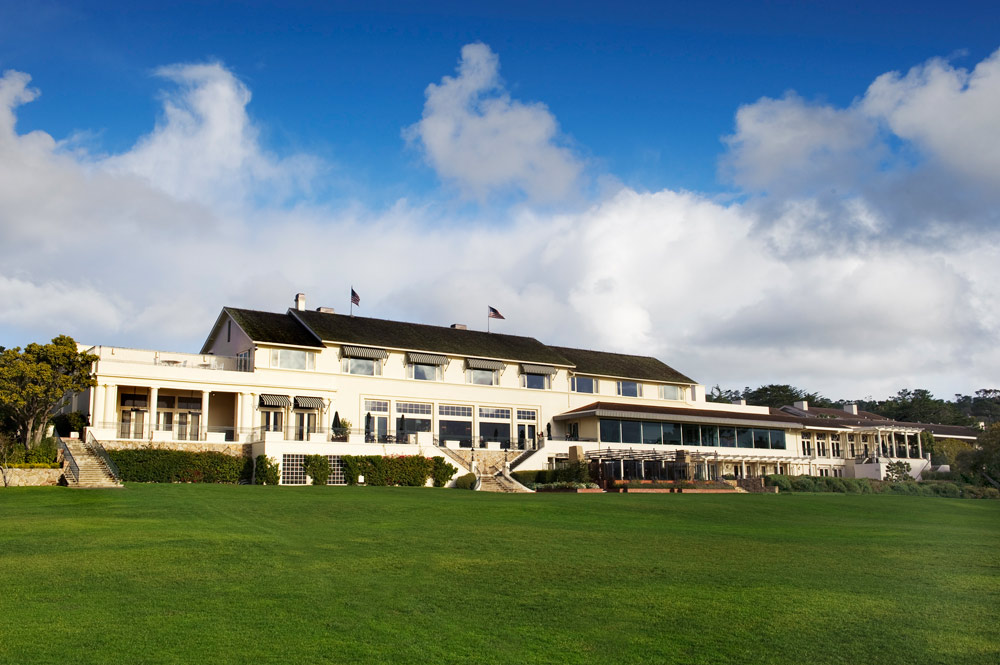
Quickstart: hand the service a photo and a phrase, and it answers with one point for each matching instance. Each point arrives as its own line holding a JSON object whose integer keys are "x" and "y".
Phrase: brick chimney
{"x": 300, "y": 302}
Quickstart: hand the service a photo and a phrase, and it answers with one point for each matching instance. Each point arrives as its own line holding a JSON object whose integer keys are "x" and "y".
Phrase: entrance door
{"x": 525, "y": 436}
{"x": 304, "y": 424}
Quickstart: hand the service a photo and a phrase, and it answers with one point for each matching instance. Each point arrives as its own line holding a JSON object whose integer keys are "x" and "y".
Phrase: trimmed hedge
{"x": 466, "y": 482}
{"x": 397, "y": 470}
{"x": 569, "y": 473}
{"x": 317, "y": 467}
{"x": 156, "y": 465}
{"x": 868, "y": 486}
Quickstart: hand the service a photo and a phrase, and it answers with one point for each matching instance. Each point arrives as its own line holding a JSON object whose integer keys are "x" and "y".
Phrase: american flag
{"x": 494, "y": 314}
{"x": 355, "y": 298}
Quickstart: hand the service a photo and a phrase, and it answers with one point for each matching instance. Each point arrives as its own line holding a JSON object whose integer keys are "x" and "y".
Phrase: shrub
{"x": 781, "y": 481}
{"x": 836, "y": 485}
{"x": 864, "y": 485}
{"x": 317, "y": 467}
{"x": 803, "y": 484}
{"x": 266, "y": 471}
{"x": 526, "y": 478}
{"x": 156, "y": 465}
{"x": 946, "y": 489}
{"x": 572, "y": 472}
{"x": 405, "y": 470}
{"x": 466, "y": 482}
{"x": 442, "y": 471}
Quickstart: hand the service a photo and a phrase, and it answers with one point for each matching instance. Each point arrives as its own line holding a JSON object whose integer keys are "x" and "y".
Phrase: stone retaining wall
{"x": 33, "y": 477}
{"x": 229, "y": 448}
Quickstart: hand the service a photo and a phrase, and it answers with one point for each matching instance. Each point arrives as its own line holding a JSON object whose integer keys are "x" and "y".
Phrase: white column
{"x": 238, "y": 414}
{"x": 110, "y": 404}
{"x": 97, "y": 405}
{"x": 248, "y": 411}
{"x": 204, "y": 413}
{"x": 154, "y": 395}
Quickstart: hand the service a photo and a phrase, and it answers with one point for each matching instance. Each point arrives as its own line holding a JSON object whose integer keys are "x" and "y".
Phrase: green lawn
{"x": 223, "y": 574}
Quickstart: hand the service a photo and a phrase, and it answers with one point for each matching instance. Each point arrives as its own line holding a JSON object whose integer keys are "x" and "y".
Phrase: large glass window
{"x": 362, "y": 366}
{"x": 761, "y": 438}
{"x": 744, "y": 437}
{"x": 406, "y": 425}
{"x": 377, "y": 405}
{"x": 481, "y": 377}
{"x": 778, "y": 439}
{"x": 709, "y": 435}
{"x": 293, "y": 359}
{"x": 631, "y": 431}
{"x": 455, "y": 430}
{"x": 271, "y": 420}
{"x": 494, "y": 412}
{"x": 692, "y": 435}
{"x": 727, "y": 437}
{"x": 415, "y": 408}
{"x": 494, "y": 431}
{"x": 583, "y": 384}
{"x": 610, "y": 431}
{"x": 671, "y": 433}
{"x": 450, "y": 410}
{"x": 629, "y": 389}
{"x": 652, "y": 433}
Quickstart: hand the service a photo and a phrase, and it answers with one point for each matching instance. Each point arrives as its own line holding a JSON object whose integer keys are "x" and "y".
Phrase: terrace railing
{"x": 97, "y": 449}
{"x": 71, "y": 466}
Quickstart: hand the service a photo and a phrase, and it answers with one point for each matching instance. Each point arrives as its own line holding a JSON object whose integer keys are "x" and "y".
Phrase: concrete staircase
{"x": 93, "y": 470}
{"x": 498, "y": 484}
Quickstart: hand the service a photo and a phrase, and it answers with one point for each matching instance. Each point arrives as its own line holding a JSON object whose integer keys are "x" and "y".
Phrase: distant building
{"x": 283, "y": 384}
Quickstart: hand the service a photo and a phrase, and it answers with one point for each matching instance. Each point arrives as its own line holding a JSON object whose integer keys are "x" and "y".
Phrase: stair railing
{"x": 95, "y": 447}
{"x": 71, "y": 464}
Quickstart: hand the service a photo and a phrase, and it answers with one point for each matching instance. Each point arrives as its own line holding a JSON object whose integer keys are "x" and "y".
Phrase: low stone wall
{"x": 229, "y": 448}
{"x": 33, "y": 477}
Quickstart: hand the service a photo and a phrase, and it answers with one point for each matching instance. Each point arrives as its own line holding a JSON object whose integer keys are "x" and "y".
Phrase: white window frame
{"x": 345, "y": 366}
{"x": 469, "y": 375}
{"x": 573, "y": 384}
{"x": 411, "y": 371}
{"x": 678, "y": 392}
{"x": 638, "y": 388}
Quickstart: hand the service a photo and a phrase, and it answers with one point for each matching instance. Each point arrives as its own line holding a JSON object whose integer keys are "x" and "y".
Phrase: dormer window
{"x": 536, "y": 377}
{"x": 583, "y": 384}
{"x": 671, "y": 392}
{"x": 292, "y": 359}
{"x": 362, "y": 360}
{"x": 425, "y": 366}
{"x": 481, "y": 372}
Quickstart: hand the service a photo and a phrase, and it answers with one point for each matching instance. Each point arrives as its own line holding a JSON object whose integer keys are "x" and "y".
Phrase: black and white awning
{"x": 426, "y": 359}
{"x": 279, "y": 401}
{"x": 479, "y": 363}
{"x": 365, "y": 352}
{"x": 309, "y": 403}
{"x": 528, "y": 368}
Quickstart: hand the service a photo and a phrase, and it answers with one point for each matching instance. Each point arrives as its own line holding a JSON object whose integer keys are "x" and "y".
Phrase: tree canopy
{"x": 773, "y": 395}
{"x": 35, "y": 381}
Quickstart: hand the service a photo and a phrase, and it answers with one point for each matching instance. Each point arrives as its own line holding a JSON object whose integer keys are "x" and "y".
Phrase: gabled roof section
{"x": 266, "y": 328}
{"x": 621, "y": 365}
{"x": 343, "y": 329}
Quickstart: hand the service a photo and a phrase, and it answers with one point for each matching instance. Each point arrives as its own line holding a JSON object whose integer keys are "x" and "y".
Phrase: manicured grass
{"x": 224, "y": 574}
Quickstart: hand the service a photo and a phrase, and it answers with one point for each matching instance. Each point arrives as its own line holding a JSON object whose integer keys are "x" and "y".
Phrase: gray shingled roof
{"x": 268, "y": 327}
{"x": 341, "y": 328}
{"x": 621, "y": 365}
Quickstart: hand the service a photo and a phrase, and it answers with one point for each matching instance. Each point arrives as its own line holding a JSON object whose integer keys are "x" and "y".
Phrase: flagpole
{"x": 487, "y": 319}
{"x": 352, "y": 300}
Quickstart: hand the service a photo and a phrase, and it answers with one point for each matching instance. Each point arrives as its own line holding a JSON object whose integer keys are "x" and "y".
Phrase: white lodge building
{"x": 315, "y": 382}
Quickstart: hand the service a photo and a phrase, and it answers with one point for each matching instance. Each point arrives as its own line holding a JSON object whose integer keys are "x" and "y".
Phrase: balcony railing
{"x": 173, "y": 360}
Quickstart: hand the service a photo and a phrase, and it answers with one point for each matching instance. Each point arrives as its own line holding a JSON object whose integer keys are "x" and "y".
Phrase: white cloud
{"x": 125, "y": 249}
{"x": 205, "y": 148}
{"x": 474, "y": 135}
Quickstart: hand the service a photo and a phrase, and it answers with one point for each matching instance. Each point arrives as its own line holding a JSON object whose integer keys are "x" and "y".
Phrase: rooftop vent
{"x": 803, "y": 405}
{"x": 459, "y": 326}
{"x": 851, "y": 409}
{"x": 325, "y": 310}
{"x": 300, "y": 302}
{"x": 740, "y": 402}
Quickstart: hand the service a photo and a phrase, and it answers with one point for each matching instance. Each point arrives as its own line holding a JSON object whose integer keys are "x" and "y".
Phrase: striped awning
{"x": 426, "y": 359}
{"x": 528, "y": 368}
{"x": 364, "y": 352}
{"x": 479, "y": 363}
{"x": 281, "y": 401}
{"x": 309, "y": 403}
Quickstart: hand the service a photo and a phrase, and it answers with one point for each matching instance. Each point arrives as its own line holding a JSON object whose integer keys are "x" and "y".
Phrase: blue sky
{"x": 645, "y": 89}
{"x": 754, "y": 192}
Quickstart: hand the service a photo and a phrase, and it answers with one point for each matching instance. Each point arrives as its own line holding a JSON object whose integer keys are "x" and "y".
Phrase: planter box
{"x": 589, "y": 490}
{"x": 649, "y": 490}
{"x": 708, "y": 491}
